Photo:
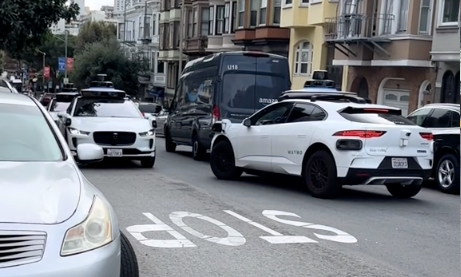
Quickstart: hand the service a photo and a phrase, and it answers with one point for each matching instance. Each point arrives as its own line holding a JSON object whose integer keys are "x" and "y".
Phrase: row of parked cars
{"x": 53, "y": 221}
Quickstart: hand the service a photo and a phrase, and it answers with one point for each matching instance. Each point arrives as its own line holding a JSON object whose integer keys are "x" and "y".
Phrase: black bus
{"x": 227, "y": 85}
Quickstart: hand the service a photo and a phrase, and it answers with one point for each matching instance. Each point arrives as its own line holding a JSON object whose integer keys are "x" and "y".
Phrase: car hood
{"x": 38, "y": 192}
{"x": 91, "y": 124}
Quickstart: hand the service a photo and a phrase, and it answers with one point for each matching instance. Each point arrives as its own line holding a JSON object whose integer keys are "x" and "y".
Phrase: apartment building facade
{"x": 308, "y": 51}
{"x": 384, "y": 46}
{"x": 138, "y": 31}
{"x": 445, "y": 53}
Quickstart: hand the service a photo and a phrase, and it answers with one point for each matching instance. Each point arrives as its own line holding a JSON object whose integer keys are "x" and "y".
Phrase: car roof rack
{"x": 334, "y": 97}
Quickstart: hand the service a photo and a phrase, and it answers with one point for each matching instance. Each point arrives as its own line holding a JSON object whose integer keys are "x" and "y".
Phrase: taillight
{"x": 427, "y": 136}
{"x": 216, "y": 114}
{"x": 359, "y": 134}
{"x": 142, "y": 114}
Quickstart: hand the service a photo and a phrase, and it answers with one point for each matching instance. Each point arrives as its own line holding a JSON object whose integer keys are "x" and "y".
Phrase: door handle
{"x": 265, "y": 136}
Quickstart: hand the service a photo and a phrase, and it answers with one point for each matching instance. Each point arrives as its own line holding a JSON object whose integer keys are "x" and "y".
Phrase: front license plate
{"x": 399, "y": 163}
{"x": 114, "y": 152}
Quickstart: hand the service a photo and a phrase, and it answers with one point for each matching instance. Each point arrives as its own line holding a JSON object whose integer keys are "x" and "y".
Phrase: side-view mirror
{"x": 217, "y": 127}
{"x": 67, "y": 122}
{"x": 89, "y": 153}
{"x": 61, "y": 114}
{"x": 247, "y": 122}
{"x": 154, "y": 124}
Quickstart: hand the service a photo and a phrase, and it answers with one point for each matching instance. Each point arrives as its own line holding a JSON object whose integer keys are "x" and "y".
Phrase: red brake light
{"x": 376, "y": 110}
{"x": 427, "y": 136}
{"x": 216, "y": 114}
{"x": 359, "y": 133}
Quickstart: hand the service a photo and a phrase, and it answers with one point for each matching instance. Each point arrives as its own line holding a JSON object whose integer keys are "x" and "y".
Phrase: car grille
{"x": 19, "y": 248}
{"x": 114, "y": 138}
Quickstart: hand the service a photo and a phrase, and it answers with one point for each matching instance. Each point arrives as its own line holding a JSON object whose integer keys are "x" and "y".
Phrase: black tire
{"x": 401, "y": 191}
{"x": 222, "y": 162}
{"x": 447, "y": 174}
{"x": 148, "y": 162}
{"x": 198, "y": 151}
{"x": 129, "y": 262}
{"x": 170, "y": 146}
{"x": 320, "y": 175}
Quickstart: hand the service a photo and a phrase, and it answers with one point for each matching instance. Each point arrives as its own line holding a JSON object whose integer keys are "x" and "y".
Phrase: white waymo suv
{"x": 330, "y": 140}
{"x": 106, "y": 117}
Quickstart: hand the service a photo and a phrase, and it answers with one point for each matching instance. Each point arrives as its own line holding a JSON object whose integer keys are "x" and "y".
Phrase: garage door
{"x": 397, "y": 98}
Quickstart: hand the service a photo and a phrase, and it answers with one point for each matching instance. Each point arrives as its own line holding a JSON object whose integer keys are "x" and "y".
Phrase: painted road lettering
{"x": 137, "y": 232}
{"x": 276, "y": 238}
{"x": 340, "y": 236}
{"x": 234, "y": 238}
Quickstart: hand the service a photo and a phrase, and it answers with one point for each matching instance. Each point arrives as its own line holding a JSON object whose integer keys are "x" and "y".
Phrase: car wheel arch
{"x": 223, "y": 138}
{"x": 312, "y": 149}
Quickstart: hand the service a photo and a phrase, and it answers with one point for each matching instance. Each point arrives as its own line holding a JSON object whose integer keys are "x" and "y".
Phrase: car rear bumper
{"x": 101, "y": 262}
{"x": 359, "y": 176}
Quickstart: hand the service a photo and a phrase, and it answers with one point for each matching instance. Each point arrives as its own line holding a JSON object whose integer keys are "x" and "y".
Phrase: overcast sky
{"x": 96, "y": 4}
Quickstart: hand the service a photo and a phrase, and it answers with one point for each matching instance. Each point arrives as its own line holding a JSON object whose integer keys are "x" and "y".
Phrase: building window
{"x": 190, "y": 23}
{"x": 403, "y": 18}
{"x": 140, "y": 28}
{"x": 176, "y": 30}
{"x": 288, "y": 2}
{"x": 167, "y": 35}
{"x": 254, "y": 6}
{"x": 234, "y": 16}
{"x": 211, "y": 21}
{"x": 195, "y": 16}
{"x": 227, "y": 21}
{"x": 303, "y": 58}
{"x": 162, "y": 36}
{"x": 449, "y": 12}
{"x": 425, "y": 16}
{"x": 220, "y": 19}
{"x": 262, "y": 12}
{"x": 241, "y": 9}
{"x": 277, "y": 12}
{"x": 153, "y": 29}
{"x": 205, "y": 23}
{"x": 449, "y": 87}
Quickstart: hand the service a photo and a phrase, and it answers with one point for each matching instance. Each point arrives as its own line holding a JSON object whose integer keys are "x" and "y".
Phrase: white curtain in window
{"x": 303, "y": 58}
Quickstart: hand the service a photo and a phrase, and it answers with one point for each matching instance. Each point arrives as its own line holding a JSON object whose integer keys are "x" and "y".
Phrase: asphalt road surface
{"x": 184, "y": 222}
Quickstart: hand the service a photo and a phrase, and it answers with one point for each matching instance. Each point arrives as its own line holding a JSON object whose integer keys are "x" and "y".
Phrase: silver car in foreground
{"x": 53, "y": 221}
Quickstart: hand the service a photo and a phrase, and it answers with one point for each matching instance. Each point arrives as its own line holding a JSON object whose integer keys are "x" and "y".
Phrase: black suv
{"x": 444, "y": 121}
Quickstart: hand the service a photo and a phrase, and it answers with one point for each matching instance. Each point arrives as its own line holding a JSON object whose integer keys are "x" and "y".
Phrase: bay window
{"x": 262, "y": 12}
{"x": 220, "y": 20}
{"x": 227, "y": 21}
{"x": 277, "y": 4}
{"x": 241, "y": 13}
{"x": 190, "y": 23}
{"x": 205, "y": 21}
{"x": 254, "y": 6}
{"x": 425, "y": 16}
{"x": 211, "y": 21}
{"x": 195, "y": 20}
{"x": 449, "y": 12}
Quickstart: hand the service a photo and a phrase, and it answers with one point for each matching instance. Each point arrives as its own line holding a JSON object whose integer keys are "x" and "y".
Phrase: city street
{"x": 184, "y": 222}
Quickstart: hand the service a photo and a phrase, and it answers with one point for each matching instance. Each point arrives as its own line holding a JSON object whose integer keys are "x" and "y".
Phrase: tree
{"x": 23, "y": 23}
{"x": 2, "y": 62}
{"x": 109, "y": 57}
{"x": 94, "y": 31}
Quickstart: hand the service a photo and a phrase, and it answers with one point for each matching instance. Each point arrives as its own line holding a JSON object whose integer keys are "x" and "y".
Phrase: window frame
{"x": 297, "y": 65}
{"x": 274, "y": 12}
{"x": 240, "y": 15}
{"x": 220, "y": 9}
{"x": 315, "y": 107}
{"x": 262, "y": 20}
{"x": 287, "y": 5}
{"x": 441, "y": 9}
{"x": 423, "y": 124}
{"x": 268, "y": 109}
{"x": 429, "y": 19}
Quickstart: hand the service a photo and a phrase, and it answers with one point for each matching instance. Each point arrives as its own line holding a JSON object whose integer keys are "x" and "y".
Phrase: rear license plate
{"x": 114, "y": 152}
{"x": 399, "y": 163}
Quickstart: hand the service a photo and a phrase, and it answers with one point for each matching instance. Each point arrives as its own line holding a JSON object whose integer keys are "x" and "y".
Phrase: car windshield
{"x": 26, "y": 135}
{"x": 59, "y": 106}
{"x": 106, "y": 108}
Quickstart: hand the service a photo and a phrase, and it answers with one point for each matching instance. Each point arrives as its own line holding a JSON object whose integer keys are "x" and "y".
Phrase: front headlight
{"x": 74, "y": 131}
{"x": 148, "y": 133}
{"x": 95, "y": 231}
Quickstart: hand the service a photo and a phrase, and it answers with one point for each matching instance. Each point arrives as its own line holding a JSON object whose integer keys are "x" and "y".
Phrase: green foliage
{"x": 108, "y": 57}
{"x": 2, "y": 61}
{"x": 23, "y": 23}
{"x": 54, "y": 47}
{"x": 94, "y": 31}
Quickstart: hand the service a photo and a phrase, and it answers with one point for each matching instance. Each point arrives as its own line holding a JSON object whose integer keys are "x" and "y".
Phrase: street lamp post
{"x": 44, "y": 65}
{"x": 66, "y": 34}
{"x": 181, "y": 37}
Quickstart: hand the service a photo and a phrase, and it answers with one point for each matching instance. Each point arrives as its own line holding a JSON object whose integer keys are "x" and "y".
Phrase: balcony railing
{"x": 358, "y": 26}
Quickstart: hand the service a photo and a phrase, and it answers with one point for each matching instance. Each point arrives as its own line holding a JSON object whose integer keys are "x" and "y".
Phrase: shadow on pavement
{"x": 114, "y": 164}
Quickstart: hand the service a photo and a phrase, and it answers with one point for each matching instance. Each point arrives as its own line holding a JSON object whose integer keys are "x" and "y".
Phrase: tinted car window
{"x": 275, "y": 114}
{"x": 106, "y": 108}
{"x": 455, "y": 121}
{"x": 26, "y": 135}
{"x": 378, "y": 118}
{"x": 56, "y": 106}
{"x": 440, "y": 118}
{"x": 149, "y": 108}
{"x": 301, "y": 112}
{"x": 418, "y": 117}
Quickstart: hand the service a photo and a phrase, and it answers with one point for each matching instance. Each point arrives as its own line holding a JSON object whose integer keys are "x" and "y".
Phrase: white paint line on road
{"x": 276, "y": 238}
{"x": 234, "y": 238}
{"x": 340, "y": 236}
{"x": 137, "y": 232}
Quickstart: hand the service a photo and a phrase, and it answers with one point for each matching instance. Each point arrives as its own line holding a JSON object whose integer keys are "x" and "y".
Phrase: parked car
{"x": 53, "y": 221}
{"x": 150, "y": 109}
{"x": 330, "y": 140}
{"x": 5, "y": 86}
{"x": 161, "y": 120}
{"x": 444, "y": 121}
